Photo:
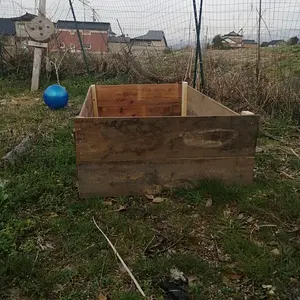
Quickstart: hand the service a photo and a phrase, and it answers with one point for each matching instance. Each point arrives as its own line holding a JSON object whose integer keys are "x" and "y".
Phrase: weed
{"x": 50, "y": 248}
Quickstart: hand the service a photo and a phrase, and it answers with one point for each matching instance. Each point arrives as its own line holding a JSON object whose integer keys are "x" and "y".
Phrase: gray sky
{"x": 281, "y": 18}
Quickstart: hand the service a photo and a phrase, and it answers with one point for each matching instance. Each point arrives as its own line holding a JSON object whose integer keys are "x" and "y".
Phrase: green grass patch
{"x": 50, "y": 248}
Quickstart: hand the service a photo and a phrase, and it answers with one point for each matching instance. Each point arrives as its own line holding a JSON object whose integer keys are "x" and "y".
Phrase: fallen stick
{"x": 121, "y": 260}
{"x": 293, "y": 151}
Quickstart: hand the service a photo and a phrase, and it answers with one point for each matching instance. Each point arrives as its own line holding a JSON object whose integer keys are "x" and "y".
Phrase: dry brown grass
{"x": 230, "y": 75}
{"x": 231, "y": 79}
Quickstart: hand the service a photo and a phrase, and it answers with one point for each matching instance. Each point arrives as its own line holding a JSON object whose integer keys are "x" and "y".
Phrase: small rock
{"x": 177, "y": 275}
{"x": 250, "y": 219}
{"x": 208, "y": 202}
{"x": 240, "y": 216}
{"x": 275, "y": 251}
{"x": 195, "y": 215}
{"x": 258, "y": 149}
{"x": 192, "y": 279}
{"x": 266, "y": 286}
{"x": 159, "y": 200}
{"x": 271, "y": 292}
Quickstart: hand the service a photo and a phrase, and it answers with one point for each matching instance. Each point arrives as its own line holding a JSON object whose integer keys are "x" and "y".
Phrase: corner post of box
{"x": 95, "y": 100}
{"x": 184, "y": 99}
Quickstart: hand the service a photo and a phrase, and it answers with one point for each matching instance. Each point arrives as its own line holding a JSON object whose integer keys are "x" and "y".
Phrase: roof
{"x": 97, "y": 26}
{"x": 275, "y": 42}
{"x": 151, "y": 35}
{"x": 264, "y": 44}
{"x": 7, "y": 26}
{"x": 27, "y": 17}
{"x": 119, "y": 39}
{"x": 228, "y": 40}
{"x": 249, "y": 42}
{"x": 233, "y": 33}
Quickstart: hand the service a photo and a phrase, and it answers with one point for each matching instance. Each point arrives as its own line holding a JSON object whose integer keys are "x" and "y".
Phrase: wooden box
{"x": 139, "y": 139}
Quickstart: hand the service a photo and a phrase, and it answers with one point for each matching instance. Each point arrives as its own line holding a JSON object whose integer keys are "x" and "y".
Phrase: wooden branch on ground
{"x": 121, "y": 260}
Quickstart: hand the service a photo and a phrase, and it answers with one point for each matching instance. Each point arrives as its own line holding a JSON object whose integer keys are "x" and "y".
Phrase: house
{"x": 7, "y": 34}
{"x": 276, "y": 43}
{"x": 13, "y": 32}
{"x": 153, "y": 41}
{"x": 249, "y": 44}
{"x": 264, "y": 44}
{"x": 94, "y": 36}
{"x": 20, "y": 23}
{"x": 118, "y": 44}
{"x": 232, "y": 40}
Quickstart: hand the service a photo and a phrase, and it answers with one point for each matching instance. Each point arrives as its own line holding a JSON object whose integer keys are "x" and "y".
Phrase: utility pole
{"x": 94, "y": 15}
{"x": 38, "y": 53}
{"x": 190, "y": 26}
{"x": 36, "y": 6}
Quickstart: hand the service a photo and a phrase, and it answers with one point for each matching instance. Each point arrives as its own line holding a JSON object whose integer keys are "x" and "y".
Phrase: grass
{"x": 50, "y": 248}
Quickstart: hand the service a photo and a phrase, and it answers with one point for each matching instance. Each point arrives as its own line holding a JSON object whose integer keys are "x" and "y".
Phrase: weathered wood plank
{"x": 138, "y": 94}
{"x": 124, "y": 139}
{"x": 87, "y": 107}
{"x": 143, "y": 177}
{"x": 140, "y": 110}
{"x": 94, "y": 100}
{"x": 184, "y": 99}
{"x": 202, "y": 105}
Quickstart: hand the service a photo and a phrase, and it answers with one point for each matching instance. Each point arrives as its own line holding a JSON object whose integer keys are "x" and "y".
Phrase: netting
{"x": 280, "y": 18}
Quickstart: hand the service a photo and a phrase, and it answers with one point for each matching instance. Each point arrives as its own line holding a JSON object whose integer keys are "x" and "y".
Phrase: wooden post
{"x": 95, "y": 101}
{"x": 184, "y": 99}
{"x": 38, "y": 53}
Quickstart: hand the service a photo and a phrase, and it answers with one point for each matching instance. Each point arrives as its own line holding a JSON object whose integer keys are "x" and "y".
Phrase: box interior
{"x": 149, "y": 100}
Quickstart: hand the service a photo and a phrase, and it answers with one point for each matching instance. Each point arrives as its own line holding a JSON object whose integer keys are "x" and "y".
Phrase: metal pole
{"x": 79, "y": 37}
{"x": 94, "y": 15}
{"x": 197, "y": 48}
{"x": 200, "y": 52}
{"x": 258, "y": 47}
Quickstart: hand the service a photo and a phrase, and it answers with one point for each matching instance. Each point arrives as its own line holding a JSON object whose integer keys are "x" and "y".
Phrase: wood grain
{"x": 94, "y": 100}
{"x": 125, "y": 139}
{"x": 144, "y": 177}
{"x": 201, "y": 105}
{"x": 184, "y": 99}
{"x": 140, "y": 110}
{"x": 87, "y": 107}
{"x": 138, "y": 94}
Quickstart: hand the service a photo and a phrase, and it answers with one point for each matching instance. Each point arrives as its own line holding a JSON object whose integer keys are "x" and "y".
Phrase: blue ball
{"x": 56, "y": 96}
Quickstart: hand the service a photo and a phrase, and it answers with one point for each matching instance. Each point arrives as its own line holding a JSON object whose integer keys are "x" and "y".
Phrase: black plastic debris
{"x": 174, "y": 290}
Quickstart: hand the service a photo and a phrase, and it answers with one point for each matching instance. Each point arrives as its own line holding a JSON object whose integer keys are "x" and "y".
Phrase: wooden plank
{"x": 87, "y": 107}
{"x": 124, "y": 139}
{"x": 37, "y": 44}
{"x": 94, "y": 100}
{"x": 202, "y": 105}
{"x": 143, "y": 177}
{"x": 140, "y": 110}
{"x": 184, "y": 99}
{"x": 36, "y": 70}
{"x": 138, "y": 94}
